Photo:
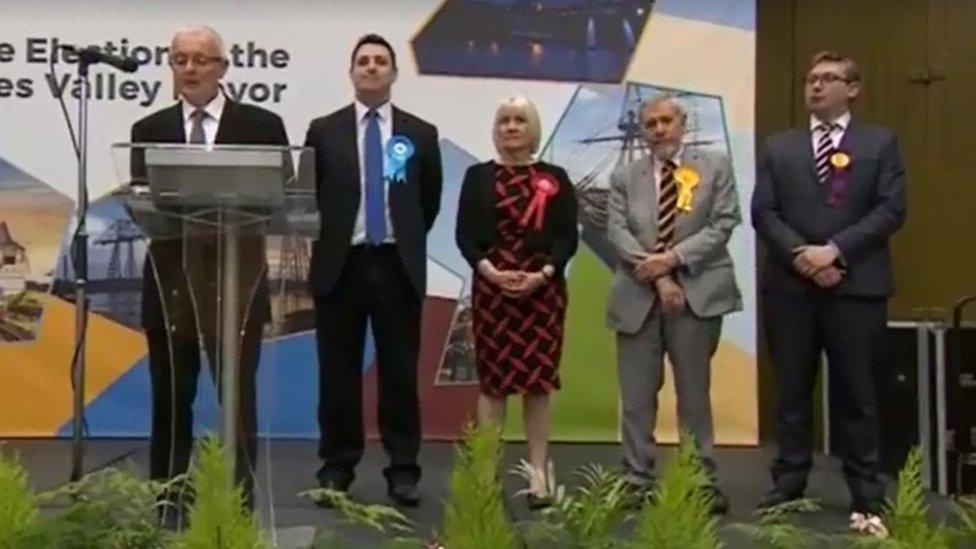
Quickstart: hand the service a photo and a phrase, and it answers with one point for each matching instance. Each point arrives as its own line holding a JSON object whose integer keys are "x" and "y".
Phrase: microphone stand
{"x": 79, "y": 243}
{"x": 79, "y": 247}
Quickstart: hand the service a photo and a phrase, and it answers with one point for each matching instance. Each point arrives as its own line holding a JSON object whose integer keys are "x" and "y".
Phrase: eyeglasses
{"x": 199, "y": 60}
{"x": 826, "y": 79}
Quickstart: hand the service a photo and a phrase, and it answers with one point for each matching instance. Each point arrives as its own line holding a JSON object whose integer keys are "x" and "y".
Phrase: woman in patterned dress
{"x": 516, "y": 227}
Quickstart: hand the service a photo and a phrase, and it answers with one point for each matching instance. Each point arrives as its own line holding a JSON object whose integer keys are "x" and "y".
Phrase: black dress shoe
{"x": 172, "y": 518}
{"x": 332, "y": 480}
{"x": 538, "y": 502}
{"x": 638, "y": 494}
{"x": 867, "y": 507}
{"x": 720, "y": 503}
{"x": 404, "y": 494}
{"x": 776, "y": 497}
{"x": 173, "y": 509}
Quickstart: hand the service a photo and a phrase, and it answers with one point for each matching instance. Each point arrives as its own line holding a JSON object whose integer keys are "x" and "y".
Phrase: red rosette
{"x": 544, "y": 187}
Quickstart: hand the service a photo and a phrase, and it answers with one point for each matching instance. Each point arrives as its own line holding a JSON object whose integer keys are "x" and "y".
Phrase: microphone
{"x": 92, "y": 55}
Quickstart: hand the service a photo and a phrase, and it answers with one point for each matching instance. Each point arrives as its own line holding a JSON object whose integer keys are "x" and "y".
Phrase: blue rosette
{"x": 399, "y": 149}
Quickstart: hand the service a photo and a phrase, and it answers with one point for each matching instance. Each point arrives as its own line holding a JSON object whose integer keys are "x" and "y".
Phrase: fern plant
{"x": 108, "y": 508}
{"x": 218, "y": 519}
{"x": 585, "y": 518}
{"x": 382, "y": 519}
{"x": 678, "y": 514}
{"x": 18, "y": 509}
{"x": 907, "y": 516}
{"x": 965, "y": 510}
{"x": 775, "y": 529}
{"x": 474, "y": 512}
{"x": 908, "y": 512}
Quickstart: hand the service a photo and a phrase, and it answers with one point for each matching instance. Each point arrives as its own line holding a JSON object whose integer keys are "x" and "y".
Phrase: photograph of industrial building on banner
{"x": 32, "y": 215}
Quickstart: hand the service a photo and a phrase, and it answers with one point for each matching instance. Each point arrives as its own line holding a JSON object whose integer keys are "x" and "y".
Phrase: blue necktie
{"x": 375, "y": 200}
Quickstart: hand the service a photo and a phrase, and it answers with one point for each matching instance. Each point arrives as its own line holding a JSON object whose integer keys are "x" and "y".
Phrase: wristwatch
{"x": 548, "y": 271}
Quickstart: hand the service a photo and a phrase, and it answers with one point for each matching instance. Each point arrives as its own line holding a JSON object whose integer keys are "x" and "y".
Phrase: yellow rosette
{"x": 840, "y": 160}
{"x": 687, "y": 179}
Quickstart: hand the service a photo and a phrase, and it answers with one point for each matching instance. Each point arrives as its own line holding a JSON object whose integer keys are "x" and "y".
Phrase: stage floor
{"x": 742, "y": 474}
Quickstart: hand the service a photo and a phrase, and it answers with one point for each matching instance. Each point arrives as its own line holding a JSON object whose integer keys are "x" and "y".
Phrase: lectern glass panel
{"x": 230, "y": 230}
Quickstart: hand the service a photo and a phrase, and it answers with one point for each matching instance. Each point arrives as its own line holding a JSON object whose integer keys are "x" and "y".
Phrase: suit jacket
{"x": 413, "y": 204}
{"x": 477, "y": 217}
{"x": 706, "y": 274}
{"x": 790, "y": 209}
{"x": 240, "y": 125}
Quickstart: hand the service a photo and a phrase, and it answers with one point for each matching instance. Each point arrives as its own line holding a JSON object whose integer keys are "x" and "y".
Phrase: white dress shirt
{"x": 836, "y": 134}
{"x": 658, "y": 167}
{"x": 210, "y": 122}
{"x": 385, "y": 119}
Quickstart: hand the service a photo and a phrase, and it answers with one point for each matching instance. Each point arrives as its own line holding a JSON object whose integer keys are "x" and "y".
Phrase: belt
{"x": 374, "y": 247}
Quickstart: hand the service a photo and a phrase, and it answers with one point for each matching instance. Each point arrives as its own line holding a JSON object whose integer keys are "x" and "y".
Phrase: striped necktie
{"x": 825, "y": 148}
{"x": 666, "y": 207}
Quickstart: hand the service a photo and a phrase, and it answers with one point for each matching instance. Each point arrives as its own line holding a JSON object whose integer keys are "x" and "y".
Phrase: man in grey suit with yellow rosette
{"x": 670, "y": 217}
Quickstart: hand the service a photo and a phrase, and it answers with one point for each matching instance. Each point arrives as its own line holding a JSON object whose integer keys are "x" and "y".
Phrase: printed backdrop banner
{"x": 587, "y": 64}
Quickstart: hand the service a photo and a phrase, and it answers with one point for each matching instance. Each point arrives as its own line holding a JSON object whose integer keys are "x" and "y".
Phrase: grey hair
{"x": 661, "y": 99}
{"x": 531, "y": 113}
{"x": 210, "y": 32}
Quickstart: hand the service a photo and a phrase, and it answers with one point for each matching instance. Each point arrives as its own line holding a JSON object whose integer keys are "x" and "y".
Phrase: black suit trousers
{"x": 174, "y": 368}
{"x": 851, "y": 331}
{"x": 373, "y": 287}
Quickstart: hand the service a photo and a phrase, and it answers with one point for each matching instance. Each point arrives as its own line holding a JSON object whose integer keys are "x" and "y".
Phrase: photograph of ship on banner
{"x": 600, "y": 132}
{"x": 597, "y": 133}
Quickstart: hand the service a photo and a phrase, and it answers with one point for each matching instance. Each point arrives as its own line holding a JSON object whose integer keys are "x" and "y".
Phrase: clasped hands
{"x": 517, "y": 284}
{"x": 649, "y": 267}
{"x": 817, "y": 264}
{"x": 655, "y": 268}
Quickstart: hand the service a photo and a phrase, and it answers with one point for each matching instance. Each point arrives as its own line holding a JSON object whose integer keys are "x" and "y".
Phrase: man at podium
{"x": 179, "y": 302}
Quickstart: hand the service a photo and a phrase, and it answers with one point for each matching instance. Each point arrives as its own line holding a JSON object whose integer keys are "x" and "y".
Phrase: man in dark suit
{"x": 828, "y": 198}
{"x": 179, "y": 296}
{"x": 378, "y": 172}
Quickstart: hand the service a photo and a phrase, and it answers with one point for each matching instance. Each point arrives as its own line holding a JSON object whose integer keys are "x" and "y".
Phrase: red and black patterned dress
{"x": 518, "y": 342}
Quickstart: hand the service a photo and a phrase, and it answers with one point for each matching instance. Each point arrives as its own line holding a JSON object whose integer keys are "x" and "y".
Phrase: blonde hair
{"x": 526, "y": 108}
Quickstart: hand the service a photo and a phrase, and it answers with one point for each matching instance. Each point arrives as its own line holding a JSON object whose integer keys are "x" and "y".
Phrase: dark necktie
{"x": 375, "y": 199}
{"x": 197, "y": 135}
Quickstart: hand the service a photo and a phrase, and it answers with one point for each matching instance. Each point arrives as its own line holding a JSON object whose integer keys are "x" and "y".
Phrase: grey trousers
{"x": 689, "y": 342}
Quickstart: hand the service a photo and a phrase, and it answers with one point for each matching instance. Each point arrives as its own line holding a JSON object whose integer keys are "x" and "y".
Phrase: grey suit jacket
{"x": 700, "y": 236}
{"x": 790, "y": 208}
